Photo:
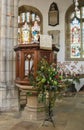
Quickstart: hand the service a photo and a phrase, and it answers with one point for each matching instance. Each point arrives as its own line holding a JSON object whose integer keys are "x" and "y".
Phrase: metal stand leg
{"x": 49, "y": 118}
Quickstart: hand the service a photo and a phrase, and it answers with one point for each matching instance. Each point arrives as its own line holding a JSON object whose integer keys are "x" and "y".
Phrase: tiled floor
{"x": 68, "y": 115}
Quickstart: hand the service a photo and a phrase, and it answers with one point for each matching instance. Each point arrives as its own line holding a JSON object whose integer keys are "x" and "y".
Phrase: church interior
{"x": 31, "y": 30}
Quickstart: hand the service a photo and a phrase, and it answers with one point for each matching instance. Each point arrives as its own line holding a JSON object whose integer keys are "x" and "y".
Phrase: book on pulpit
{"x": 45, "y": 42}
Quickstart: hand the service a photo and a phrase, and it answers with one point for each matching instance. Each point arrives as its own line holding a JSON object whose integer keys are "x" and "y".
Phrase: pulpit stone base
{"x": 33, "y": 110}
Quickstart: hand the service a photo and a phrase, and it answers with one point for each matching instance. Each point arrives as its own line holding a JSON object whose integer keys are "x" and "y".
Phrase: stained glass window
{"x": 29, "y": 25}
{"x": 75, "y": 33}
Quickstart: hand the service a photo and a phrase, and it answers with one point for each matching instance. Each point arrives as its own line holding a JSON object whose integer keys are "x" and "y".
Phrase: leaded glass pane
{"x": 72, "y": 15}
{"x": 75, "y": 50}
{"x": 75, "y": 38}
{"x": 82, "y": 12}
{"x": 75, "y": 14}
{"x": 78, "y": 14}
{"x": 27, "y": 16}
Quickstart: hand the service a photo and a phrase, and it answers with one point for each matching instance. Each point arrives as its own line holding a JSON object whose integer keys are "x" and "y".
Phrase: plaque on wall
{"x": 53, "y": 15}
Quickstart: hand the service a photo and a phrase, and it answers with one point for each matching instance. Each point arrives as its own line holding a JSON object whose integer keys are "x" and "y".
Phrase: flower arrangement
{"x": 47, "y": 80}
{"x": 48, "y": 83}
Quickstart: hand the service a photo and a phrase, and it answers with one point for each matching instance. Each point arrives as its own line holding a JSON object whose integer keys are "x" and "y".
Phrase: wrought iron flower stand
{"x": 49, "y": 110}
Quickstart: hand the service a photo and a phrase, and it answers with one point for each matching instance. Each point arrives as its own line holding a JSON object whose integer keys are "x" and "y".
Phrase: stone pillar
{"x": 3, "y": 41}
{"x": 15, "y": 33}
{"x": 8, "y": 27}
{"x": 2, "y": 51}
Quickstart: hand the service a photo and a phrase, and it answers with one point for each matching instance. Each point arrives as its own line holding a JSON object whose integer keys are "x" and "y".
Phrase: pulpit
{"x": 27, "y": 58}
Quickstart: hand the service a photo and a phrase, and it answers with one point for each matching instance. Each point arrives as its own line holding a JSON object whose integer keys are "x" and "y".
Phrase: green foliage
{"x": 47, "y": 81}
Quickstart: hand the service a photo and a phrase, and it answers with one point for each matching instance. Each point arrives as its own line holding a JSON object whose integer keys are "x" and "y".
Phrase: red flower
{"x": 56, "y": 76}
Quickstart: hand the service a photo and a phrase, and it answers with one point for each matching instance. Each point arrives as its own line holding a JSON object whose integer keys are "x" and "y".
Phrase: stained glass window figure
{"x": 25, "y": 33}
{"x": 35, "y": 31}
{"x": 75, "y": 37}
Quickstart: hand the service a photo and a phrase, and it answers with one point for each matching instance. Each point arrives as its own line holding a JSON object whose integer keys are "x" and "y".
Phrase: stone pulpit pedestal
{"x": 33, "y": 110}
